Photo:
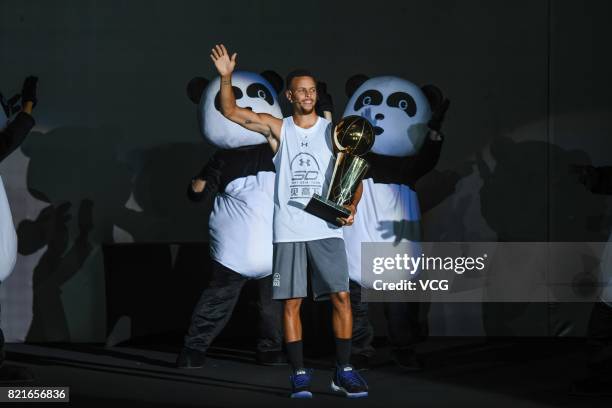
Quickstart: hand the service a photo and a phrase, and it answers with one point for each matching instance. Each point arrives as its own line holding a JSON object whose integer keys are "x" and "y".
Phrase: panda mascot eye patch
{"x": 403, "y": 101}
{"x": 252, "y": 91}
{"x": 368, "y": 98}
{"x": 398, "y": 109}
{"x": 260, "y": 91}
{"x": 237, "y": 95}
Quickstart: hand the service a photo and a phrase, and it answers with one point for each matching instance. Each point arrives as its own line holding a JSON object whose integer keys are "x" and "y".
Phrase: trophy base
{"x": 326, "y": 210}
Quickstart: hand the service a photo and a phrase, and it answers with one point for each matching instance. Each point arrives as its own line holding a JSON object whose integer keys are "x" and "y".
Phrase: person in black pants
{"x": 12, "y": 134}
{"x": 218, "y": 300}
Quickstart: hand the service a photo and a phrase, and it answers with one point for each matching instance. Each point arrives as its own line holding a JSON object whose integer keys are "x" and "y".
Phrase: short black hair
{"x": 298, "y": 73}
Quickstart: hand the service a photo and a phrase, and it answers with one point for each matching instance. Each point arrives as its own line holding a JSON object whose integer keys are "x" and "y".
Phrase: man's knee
{"x": 292, "y": 307}
{"x": 341, "y": 300}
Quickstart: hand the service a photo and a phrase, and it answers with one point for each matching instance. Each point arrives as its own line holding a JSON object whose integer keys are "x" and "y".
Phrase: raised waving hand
{"x": 223, "y": 62}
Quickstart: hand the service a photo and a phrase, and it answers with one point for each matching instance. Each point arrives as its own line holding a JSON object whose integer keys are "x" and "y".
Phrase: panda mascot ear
{"x": 274, "y": 79}
{"x": 195, "y": 88}
{"x": 434, "y": 96}
{"x": 353, "y": 83}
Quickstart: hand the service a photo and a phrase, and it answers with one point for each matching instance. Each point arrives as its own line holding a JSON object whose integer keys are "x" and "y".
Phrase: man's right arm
{"x": 263, "y": 123}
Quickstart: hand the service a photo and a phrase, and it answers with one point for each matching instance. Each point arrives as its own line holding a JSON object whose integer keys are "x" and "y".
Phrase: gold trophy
{"x": 353, "y": 137}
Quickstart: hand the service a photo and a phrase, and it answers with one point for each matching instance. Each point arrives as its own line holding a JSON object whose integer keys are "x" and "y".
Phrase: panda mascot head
{"x": 398, "y": 109}
{"x": 257, "y": 92}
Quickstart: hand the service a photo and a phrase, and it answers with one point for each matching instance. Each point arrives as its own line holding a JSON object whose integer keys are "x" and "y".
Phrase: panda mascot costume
{"x": 8, "y": 237}
{"x": 406, "y": 120}
{"x": 12, "y": 134}
{"x": 240, "y": 179}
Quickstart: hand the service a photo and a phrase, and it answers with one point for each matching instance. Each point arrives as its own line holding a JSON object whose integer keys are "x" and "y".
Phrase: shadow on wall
{"x": 57, "y": 265}
{"x": 531, "y": 196}
{"x": 80, "y": 174}
{"x": 160, "y": 191}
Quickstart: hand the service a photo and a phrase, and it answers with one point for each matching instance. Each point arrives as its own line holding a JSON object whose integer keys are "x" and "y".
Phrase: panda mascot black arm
{"x": 415, "y": 167}
{"x": 14, "y": 134}
{"x": 16, "y": 130}
{"x": 598, "y": 180}
{"x": 206, "y": 183}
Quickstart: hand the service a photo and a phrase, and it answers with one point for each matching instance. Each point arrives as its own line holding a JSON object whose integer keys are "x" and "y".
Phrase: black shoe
{"x": 407, "y": 360}
{"x": 360, "y": 362}
{"x": 15, "y": 374}
{"x": 271, "y": 358}
{"x": 190, "y": 358}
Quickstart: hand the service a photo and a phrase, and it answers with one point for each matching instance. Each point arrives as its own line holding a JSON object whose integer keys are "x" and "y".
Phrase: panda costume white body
{"x": 389, "y": 208}
{"x": 12, "y": 134}
{"x": 8, "y": 236}
{"x": 241, "y": 221}
{"x": 240, "y": 176}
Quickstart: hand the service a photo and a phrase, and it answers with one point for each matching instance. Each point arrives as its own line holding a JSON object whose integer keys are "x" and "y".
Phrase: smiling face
{"x": 302, "y": 94}
{"x": 253, "y": 92}
{"x": 398, "y": 110}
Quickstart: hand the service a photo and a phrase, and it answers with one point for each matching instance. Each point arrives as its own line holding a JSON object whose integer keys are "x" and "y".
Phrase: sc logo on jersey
{"x": 304, "y": 175}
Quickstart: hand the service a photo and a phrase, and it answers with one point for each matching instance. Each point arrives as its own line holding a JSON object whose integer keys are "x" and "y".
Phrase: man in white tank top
{"x": 303, "y": 158}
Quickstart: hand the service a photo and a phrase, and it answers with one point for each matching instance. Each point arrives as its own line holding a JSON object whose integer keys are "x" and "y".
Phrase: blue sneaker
{"x": 300, "y": 383}
{"x": 348, "y": 381}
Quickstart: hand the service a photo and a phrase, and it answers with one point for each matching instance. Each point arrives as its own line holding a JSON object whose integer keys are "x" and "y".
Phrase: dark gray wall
{"x": 529, "y": 83}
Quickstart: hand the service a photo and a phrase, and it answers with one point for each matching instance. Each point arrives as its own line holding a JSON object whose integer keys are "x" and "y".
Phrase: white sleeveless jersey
{"x": 8, "y": 237}
{"x": 304, "y": 164}
{"x": 385, "y": 213}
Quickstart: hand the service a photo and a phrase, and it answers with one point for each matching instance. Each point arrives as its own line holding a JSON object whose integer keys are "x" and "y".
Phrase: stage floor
{"x": 459, "y": 372}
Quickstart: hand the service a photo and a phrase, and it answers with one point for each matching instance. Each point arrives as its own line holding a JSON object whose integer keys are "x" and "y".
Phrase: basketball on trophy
{"x": 353, "y": 135}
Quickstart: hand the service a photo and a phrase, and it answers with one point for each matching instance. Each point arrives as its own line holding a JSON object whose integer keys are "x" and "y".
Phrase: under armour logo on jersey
{"x": 302, "y": 161}
{"x": 304, "y": 144}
